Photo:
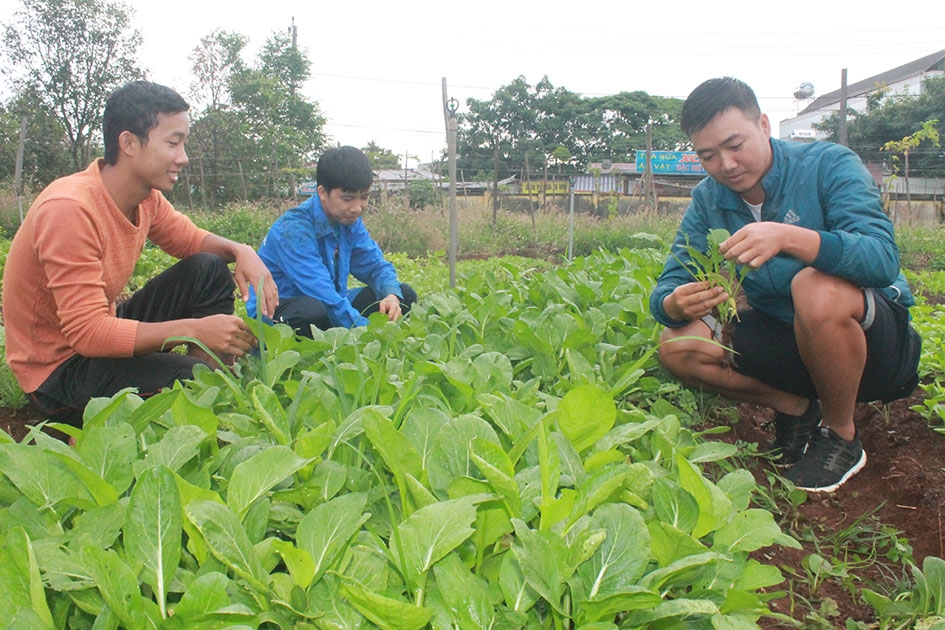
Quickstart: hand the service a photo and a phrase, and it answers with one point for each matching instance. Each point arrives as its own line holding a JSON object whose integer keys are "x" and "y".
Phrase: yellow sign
{"x": 552, "y": 187}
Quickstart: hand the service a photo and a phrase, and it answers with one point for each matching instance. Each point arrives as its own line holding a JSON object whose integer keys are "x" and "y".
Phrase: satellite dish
{"x": 606, "y": 164}
{"x": 804, "y": 91}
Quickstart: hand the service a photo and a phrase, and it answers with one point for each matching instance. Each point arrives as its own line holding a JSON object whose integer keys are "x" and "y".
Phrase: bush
{"x": 241, "y": 222}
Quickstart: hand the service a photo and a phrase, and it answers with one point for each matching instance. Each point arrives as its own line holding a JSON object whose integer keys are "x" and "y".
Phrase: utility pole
{"x": 843, "y": 107}
{"x": 450, "y": 105}
{"x": 18, "y": 168}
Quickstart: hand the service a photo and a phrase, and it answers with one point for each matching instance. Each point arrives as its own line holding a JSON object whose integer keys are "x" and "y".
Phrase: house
{"x": 906, "y": 79}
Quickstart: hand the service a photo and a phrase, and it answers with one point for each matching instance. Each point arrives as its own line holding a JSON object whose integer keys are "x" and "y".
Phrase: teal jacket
{"x": 820, "y": 186}
{"x": 310, "y": 255}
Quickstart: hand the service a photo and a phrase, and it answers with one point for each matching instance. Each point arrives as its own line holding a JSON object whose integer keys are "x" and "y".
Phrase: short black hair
{"x": 135, "y": 107}
{"x": 713, "y": 97}
{"x": 347, "y": 168}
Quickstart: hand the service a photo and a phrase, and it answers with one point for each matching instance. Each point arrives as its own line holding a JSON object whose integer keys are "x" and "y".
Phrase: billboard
{"x": 671, "y": 163}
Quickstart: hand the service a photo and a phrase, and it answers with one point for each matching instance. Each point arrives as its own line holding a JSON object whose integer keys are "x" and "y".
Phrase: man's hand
{"x": 692, "y": 301}
{"x": 756, "y": 243}
{"x": 224, "y": 334}
{"x": 251, "y": 271}
{"x": 390, "y": 306}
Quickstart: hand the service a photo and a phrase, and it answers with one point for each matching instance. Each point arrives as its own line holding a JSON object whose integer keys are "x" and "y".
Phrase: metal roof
{"x": 935, "y": 61}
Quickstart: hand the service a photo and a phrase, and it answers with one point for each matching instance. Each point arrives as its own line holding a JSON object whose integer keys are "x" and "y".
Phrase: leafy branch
{"x": 712, "y": 267}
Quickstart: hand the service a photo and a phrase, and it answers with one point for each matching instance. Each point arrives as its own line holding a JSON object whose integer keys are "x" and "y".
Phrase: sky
{"x": 378, "y": 66}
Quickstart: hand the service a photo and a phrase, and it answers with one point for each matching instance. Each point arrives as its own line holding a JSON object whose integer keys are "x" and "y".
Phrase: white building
{"x": 906, "y": 79}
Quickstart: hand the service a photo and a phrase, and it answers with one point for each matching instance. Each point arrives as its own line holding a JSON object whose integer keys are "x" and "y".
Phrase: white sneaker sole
{"x": 857, "y": 467}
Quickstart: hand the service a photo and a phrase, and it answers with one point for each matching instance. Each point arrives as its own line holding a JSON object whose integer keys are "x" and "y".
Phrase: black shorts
{"x": 766, "y": 349}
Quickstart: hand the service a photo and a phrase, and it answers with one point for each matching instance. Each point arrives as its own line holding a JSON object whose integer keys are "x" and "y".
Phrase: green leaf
{"x": 177, "y": 447}
{"x": 496, "y": 467}
{"x": 41, "y": 477}
{"x": 617, "y": 565}
{"x": 598, "y": 488}
{"x": 586, "y": 414}
{"x": 21, "y": 588}
{"x": 109, "y": 452}
{"x": 466, "y": 594}
{"x": 154, "y": 530}
{"x": 543, "y": 558}
{"x": 325, "y": 531}
{"x": 118, "y": 586}
{"x": 384, "y": 611}
{"x": 259, "y": 474}
{"x": 206, "y": 594}
{"x": 451, "y": 457}
{"x": 714, "y": 506}
{"x": 433, "y": 531}
{"x": 748, "y": 531}
{"x": 519, "y": 596}
{"x": 393, "y": 446}
{"x": 674, "y": 505}
{"x": 670, "y": 544}
{"x": 270, "y": 412}
{"x": 298, "y": 561}
{"x": 228, "y": 541}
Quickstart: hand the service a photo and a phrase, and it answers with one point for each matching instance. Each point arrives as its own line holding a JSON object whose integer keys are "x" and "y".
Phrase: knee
{"x": 819, "y": 297}
{"x": 211, "y": 265}
{"x": 676, "y": 354}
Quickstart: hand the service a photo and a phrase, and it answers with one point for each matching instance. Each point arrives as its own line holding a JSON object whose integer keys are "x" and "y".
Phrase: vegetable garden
{"x": 508, "y": 456}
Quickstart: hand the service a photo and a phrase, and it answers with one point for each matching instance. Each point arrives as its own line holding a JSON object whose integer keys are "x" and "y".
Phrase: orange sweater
{"x": 69, "y": 262}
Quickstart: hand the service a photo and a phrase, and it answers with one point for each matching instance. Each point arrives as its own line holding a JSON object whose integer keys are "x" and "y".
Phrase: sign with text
{"x": 671, "y": 163}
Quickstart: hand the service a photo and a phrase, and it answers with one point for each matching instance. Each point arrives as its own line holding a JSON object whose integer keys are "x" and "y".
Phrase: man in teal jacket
{"x": 313, "y": 248}
{"x": 828, "y": 323}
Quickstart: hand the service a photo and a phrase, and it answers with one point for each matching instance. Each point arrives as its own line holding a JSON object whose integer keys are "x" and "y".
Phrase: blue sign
{"x": 307, "y": 188}
{"x": 671, "y": 163}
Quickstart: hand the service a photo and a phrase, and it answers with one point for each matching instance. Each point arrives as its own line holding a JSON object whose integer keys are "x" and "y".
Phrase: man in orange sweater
{"x": 72, "y": 257}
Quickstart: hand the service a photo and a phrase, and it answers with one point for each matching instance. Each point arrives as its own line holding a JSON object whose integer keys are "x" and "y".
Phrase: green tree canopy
{"x": 46, "y": 153}
{"x": 286, "y": 127}
{"x": 70, "y": 55}
{"x": 381, "y": 157}
{"x": 256, "y": 130}
{"x": 524, "y": 123}
{"x": 891, "y": 117}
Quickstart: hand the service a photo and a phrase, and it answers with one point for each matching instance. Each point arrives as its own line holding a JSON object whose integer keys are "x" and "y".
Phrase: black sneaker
{"x": 791, "y": 434}
{"x": 828, "y": 462}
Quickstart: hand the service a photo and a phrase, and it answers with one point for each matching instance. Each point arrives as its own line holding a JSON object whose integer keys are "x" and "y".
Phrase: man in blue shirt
{"x": 828, "y": 323}
{"x": 313, "y": 248}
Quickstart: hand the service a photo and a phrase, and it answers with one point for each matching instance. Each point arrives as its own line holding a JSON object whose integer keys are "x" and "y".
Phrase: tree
{"x": 71, "y": 54}
{"x": 46, "y": 153}
{"x": 286, "y": 128}
{"x": 909, "y": 144}
{"x": 380, "y": 157}
{"x": 217, "y": 143}
{"x": 890, "y": 117}
{"x": 519, "y": 120}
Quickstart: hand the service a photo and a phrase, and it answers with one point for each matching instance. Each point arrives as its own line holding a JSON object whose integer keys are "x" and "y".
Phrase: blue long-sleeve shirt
{"x": 819, "y": 186}
{"x": 310, "y": 255}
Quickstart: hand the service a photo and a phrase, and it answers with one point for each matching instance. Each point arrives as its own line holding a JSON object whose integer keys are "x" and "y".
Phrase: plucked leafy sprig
{"x": 711, "y": 266}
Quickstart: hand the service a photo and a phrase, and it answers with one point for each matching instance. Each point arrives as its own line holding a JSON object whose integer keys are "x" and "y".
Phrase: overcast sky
{"x": 377, "y": 67}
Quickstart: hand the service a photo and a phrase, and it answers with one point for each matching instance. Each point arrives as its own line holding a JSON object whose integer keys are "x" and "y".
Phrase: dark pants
{"x": 303, "y": 312}
{"x": 195, "y": 287}
{"x": 767, "y": 350}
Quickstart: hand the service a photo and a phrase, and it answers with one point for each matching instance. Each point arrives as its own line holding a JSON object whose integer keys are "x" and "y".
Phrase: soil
{"x": 902, "y": 487}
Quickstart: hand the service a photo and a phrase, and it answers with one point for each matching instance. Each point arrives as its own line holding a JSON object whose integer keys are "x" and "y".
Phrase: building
{"x": 906, "y": 79}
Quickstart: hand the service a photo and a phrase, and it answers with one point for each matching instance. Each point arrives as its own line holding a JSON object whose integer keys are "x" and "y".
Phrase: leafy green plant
{"x": 11, "y": 395}
{"x": 921, "y": 607}
{"x": 501, "y": 458}
{"x": 713, "y": 268}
